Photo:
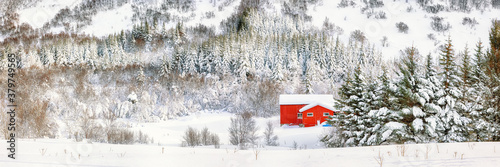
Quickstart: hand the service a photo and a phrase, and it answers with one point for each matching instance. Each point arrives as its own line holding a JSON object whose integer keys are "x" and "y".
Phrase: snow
{"x": 111, "y": 21}
{"x": 309, "y": 106}
{"x": 168, "y": 134}
{"x": 306, "y": 99}
{"x": 132, "y": 97}
{"x": 394, "y": 125}
{"x": 418, "y": 124}
{"x": 44, "y": 11}
{"x": 417, "y": 112}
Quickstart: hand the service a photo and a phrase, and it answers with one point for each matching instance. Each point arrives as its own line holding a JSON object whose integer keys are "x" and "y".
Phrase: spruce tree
{"x": 480, "y": 123}
{"x": 455, "y": 124}
{"x": 431, "y": 91}
{"x": 353, "y": 122}
{"x": 465, "y": 100}
{"x": 493, "y": 72}
{"x": 410, "y": 102}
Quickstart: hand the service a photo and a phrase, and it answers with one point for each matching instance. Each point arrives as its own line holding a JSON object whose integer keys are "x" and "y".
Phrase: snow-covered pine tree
{"x": 44, "y": 56}
{"x": 380, "y": 102}
{"x": 480, "y": 124}
{"x": 141, "y": 78}
{"x": 54, "y": 51}
{"x": 465, "y": 101}
{"x": 92, "y": 54}
{"x": 277, "y": 72}
{"x": 352, "y": 123}
{"x": 431, "y": 91}
{"x": 190, "y": 62}
{"x": 311, "y": 76}
{"x": 455, "y": 124}
{"x": 244, "y": 69}
{"x": 409, "y": 103}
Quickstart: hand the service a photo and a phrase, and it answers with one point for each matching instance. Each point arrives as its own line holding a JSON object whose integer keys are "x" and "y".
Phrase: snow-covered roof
{"x": 306, "y": 99}
{"x": 309, "y": 106}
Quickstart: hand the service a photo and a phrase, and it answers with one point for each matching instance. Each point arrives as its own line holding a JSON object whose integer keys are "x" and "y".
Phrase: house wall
{"x": 317, "y": 115}
{"x": 288, "y": 114}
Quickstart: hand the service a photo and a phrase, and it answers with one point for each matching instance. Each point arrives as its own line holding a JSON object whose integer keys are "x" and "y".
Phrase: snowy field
{"x": 166, "y": 150}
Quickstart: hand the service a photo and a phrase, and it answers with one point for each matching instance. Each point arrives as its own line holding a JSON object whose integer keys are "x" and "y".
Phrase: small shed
{"x": 307, "y": 110}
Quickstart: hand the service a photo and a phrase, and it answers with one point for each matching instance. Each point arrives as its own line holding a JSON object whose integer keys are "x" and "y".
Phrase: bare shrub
{"x": 402, "y": 149}
{"x": 271, "y": 139}
{"x": 205, "y": 136}
{"x": 431, "y": 36}
{"x": 427, "y": 150}
{"x": 142, "y": 138}
{"x": 402, "y": 27}
{"x": 358, "y": 35}
{"x": 434, "y": 8}
{"x": 380, "y": 158}
{"x": 256, "y": 153}
{"x": 380, "y": 15}
{"x": 91, "y": 130}
{"x": 120, "y": 136}
{"x": 209, "y": 14}
{"x": 214, "y": 138}
{"x": 471, "y": 22}
{"x": 438, "y": 24}
{"x": 4, "y": 119}
{"x": 192, "y": 137}
{"x": 34, "y": 119}
{"x": 384, "y": 41}
{"x": 345, "y": 3}
{"x": 243, "y": 130}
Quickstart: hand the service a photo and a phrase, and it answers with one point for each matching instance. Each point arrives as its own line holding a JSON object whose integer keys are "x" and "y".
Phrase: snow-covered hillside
{"x": 350, "y": 18}
{"x": 165, "y": 151}
{"x": 417, "y": 19}
{"x": 43, "y": 11}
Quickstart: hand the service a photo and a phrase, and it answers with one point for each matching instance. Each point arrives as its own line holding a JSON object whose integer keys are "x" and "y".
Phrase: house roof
{"x": 309, "y": 106}
{"x": 306, "y": 99}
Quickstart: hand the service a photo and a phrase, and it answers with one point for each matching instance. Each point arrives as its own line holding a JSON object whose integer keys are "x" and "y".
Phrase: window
{"x": 309, "y": 114}
{"x": 326, "y": 114}
{"x": 299, "y": 116}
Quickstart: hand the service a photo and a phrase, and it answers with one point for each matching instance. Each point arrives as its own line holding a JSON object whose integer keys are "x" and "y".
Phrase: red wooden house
{"x": 307, "y": 110}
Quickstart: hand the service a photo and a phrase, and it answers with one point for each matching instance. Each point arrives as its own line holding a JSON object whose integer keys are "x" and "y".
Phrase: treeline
{"x": 458, "y": 102}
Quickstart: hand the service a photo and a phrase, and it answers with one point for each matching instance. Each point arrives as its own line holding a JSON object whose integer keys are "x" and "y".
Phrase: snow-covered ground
{"x": 111, "y": 21}
{"x": 167, "y": 152}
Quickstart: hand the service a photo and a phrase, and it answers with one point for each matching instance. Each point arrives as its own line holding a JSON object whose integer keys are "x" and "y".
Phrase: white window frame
{"x": 326, "y": 114}
{"x": 299, "y": 116}
{"x": 310, "y": 114}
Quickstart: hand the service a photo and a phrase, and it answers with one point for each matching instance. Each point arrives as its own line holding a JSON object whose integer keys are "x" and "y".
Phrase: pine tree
{"x": 465, "y": 101}
{"x": 355, "y": 120}
{"x": 493, "y": 56}
{"x": 383, "y": 92}
{"x": 493, "y": 72}
{"x": 431, "y": 91}
{"x": 455, "y": 124}
{"x": 409, "y": 100}
{"x": 480, "y": 124}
